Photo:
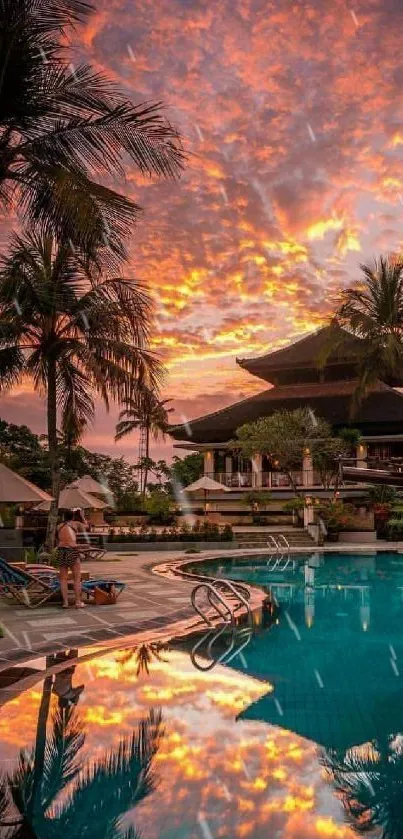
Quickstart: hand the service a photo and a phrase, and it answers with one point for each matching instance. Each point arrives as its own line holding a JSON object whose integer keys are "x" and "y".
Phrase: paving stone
{"x": 65, "y": 621}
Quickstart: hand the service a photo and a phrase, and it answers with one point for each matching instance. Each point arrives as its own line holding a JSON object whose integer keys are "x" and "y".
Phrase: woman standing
{"x": 68, "y": 558}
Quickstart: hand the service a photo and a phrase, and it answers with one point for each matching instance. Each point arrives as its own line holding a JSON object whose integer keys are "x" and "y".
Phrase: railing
{"x": 258, "y": 480}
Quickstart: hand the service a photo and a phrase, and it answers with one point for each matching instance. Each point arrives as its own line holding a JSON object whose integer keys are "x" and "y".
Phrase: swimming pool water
{"x": 300, "y": 737}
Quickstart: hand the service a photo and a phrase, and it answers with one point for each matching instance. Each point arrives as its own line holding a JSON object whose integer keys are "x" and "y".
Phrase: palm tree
{"x": 74, "y": 334}
{"x": 61, "y": 127}
{"x": 373, "y": 311}
{"x": 144, "y": 411}
{"x": 144, "y": 655}
{"x": 369, "y": 782}
{"x": 97, "y": 795}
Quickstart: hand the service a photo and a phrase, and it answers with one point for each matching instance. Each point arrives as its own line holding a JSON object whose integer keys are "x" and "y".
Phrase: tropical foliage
{"x": 369, "y": 782}
{"x": 27, "y": 453}
{"x": 63, "y": 126}
{"x": 143, "y": 410}
{"x": 74, "y": 333}
{"x": 97, "y": 795}
{"x": 144, "y": 655}
{"x": 286, "y": 436}
{"x": 372, "y": 310}
{"x": 205, "y": 532}
{"x": 186, "y": 470}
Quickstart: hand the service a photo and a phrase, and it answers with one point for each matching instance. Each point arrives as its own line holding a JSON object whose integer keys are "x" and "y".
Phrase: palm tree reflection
{"x": 144, "y": 655}
{"x": 369, "y": 782}
{"x": 52, "y": 793}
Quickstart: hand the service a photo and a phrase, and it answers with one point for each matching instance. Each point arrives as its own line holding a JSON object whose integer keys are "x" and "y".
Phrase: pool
{"x": 300, "y": 737}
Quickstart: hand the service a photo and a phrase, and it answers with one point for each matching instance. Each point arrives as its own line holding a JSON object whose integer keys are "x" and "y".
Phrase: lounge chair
{"x": 90, "y": 552}
{"x": 33, "y": 590}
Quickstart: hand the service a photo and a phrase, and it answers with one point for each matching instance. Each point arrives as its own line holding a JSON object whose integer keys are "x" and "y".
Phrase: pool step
{"x": 296, "y": 538}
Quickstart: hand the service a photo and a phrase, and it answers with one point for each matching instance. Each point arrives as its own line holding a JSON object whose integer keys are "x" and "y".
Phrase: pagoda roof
{"x": 329, "y": 346}
{"x": 380, "y": 412}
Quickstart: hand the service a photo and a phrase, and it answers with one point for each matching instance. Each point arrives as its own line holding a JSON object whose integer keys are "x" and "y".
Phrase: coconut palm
{"x": 96, "y": 795}
{"x": 61, "y": 127}
{"x": 372, "y": 310}
{"x": 144, "y": 654}
{"x": 369, "y": 782}
{"x": 145, "y": 411}
{"x": 75, "y": 334}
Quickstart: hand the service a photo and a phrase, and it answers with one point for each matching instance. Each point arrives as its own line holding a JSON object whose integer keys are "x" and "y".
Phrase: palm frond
{"x": 112, "y": 785}
{"x": 61, "y": 131}
{"x": 75, "y": 403}
{"x": 12, "y": 363}
{"x": 63, "y": 746}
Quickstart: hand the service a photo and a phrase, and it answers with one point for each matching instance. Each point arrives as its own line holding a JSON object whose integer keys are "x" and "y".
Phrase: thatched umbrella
{"x": 72, "y": 497}
{"x": 206, "y": 485}
{"x": 14, "y": 489}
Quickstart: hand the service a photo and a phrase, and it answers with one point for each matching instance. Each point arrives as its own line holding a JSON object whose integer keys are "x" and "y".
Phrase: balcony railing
{"x": 254, "y": 480}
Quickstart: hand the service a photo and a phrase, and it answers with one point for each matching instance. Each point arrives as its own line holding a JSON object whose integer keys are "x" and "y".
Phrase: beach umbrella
{"x": 14, "y": 489}
{"x": 206, "y": 485}
{"x": 72, "y": 497}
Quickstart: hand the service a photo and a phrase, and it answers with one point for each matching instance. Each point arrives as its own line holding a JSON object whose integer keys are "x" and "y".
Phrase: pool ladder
{"x": 278, "y": 542}
{"x": 236, "y": 641}
{"x": 224, "y": 607}
{"x": 280, "y": 563}
{"x": 235, "y": 637}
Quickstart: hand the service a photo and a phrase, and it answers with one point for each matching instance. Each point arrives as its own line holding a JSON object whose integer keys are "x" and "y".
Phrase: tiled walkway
{"x": 148, "y": 602}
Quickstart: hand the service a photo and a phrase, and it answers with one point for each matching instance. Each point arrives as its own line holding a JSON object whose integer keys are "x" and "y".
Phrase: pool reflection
{"x": 213, "y": 774}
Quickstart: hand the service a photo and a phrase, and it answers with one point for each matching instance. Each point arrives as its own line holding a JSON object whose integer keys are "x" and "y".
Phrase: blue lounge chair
{"x": 33, "y": 590}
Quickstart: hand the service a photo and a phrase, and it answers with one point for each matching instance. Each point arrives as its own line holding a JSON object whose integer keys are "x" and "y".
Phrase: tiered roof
{"x": 330, "y": 353}
{"x": 383, "y": 407}
{"x": 320, "y": 372}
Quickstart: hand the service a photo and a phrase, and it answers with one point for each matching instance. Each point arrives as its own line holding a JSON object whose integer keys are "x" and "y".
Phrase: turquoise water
{"x": 300, "y": 737}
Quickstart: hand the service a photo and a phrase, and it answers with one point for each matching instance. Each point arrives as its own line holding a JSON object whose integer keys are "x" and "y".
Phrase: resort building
{"x": 303, "y": 374}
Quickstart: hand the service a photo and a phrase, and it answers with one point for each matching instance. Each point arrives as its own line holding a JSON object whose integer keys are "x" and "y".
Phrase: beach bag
{"x": 103, "y": 597}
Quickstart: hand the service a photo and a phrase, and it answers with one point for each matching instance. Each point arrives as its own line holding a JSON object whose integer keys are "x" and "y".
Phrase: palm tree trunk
{"x": 144, "y": 487}
{"x": 53, "y": 455}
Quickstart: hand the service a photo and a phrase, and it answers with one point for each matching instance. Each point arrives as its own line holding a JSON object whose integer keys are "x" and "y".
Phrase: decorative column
{"x": 309, "y": 515}
{"x": 257, "y": 470}
{"x": 307, "y": 469}
{"x": 361, "y": 454}
{"x": 228, "y": 470}
{"x": 208, "y": 463}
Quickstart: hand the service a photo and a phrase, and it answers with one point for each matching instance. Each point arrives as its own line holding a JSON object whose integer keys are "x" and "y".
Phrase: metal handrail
{"x": 285, "y": 540}
{"x": 273, "y": 542}
{"x": 235, "y": 590}
{"x": 215, "y": 634}
{"x": 210, "y": 590}
{"x": 249, "y": 635}
{"x": 228, "y": 655}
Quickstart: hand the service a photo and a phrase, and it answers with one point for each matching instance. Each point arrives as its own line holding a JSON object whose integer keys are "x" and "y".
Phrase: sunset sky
{"x": 292, "y": 114}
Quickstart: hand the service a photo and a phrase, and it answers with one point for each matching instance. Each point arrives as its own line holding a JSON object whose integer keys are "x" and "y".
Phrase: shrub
{"x": 158, "y": 507}
{"x": 227, "y": 533}
{"x": 395, "y": 528}
{"x": 336, "y": 515}
{"x": 206, "y": 532}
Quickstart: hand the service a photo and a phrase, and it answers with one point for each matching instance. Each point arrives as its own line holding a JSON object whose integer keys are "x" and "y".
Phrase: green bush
{"x": 227, "y": 533}
{"x": 206, "y": 532}
{"x": 395, "y": 528}
{"x": 158, "y": 506}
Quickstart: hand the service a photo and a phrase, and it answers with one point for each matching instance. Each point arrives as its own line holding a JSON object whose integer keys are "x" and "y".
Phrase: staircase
{"x": 296, "y": 537}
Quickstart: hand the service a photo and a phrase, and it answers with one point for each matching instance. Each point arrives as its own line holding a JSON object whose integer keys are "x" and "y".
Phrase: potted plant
{"x": 395, "y": 523}
{"x": 382, "y": 498}
{"x": 337, "y": 516}
{"x": 296, "y": 507}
